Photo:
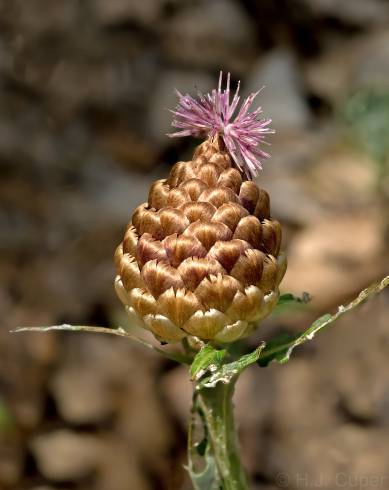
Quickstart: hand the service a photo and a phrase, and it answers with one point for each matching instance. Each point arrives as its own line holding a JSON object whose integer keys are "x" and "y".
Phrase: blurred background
{"x": 84, "y": 88}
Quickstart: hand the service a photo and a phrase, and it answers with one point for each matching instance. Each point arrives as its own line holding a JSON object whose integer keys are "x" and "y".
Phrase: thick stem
{"x": 216, "y": 408}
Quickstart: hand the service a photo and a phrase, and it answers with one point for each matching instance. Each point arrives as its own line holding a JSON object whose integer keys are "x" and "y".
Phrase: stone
{"x": 301, "y": 378}
{"x": 291, "y": 201}
{"x": 255, "y": 388}
{"x": 327, "y": 76}
{"x": 59, "y": 16}
{"x": 126, "y": 147}
{"x": 6, "y": 58}
{"x": 293, "y": 151}
{"x": 372, "y": 65}
{"x": 362, "y": 393}
{"x": 318, "y": 448}
{"x": 80, "y": 395}
{"x": 118, "y": 11}
{"x": 177, "y": 388}
{"x": 358, "y": 63}
{"x": 346, "y": 456}
{"x": 282, "y": 98}
{"x": 360, "y": 12}
{"x": 121, "y": 468}
{"x": 335, "y": 257}
{"x": 144, "y": 424}
{"x": 80, "y": 83}
{"x": 220, "y": 35}
{"x": 123, "y": 191}
{"x": 343, "y": 178}
{"x": 66, "y": 455}
{"x": 11, "y": 462}
{"x": 359, "y": 371}
{"x": 285, "y": 175}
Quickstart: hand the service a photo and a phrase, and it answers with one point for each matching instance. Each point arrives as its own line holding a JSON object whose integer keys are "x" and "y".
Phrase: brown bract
{"x": 202, "y": 256}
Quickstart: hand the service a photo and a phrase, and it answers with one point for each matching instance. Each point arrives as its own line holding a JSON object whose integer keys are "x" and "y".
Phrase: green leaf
{"x": 288, "y": 301}
{"x": 229, "y": 372}
{"x": 288, "y": 298}
{"x": 207, "y": 359}
{"x": 281, "y": 348}
{"x": 276, "y": 349}
{"x": 120, "y": 332}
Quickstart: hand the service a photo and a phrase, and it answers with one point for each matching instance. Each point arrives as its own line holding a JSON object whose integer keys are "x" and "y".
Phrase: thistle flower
{"x": 202, "y": 256}
{"x": 213, "y": 114}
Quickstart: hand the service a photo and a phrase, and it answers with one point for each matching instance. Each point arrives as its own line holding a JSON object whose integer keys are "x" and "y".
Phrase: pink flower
{"x": 213, "y": 114}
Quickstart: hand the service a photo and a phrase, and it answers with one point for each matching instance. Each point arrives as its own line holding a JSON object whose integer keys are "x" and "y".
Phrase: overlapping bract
{"x": 213, "y": 114}
{"x": 202, "y": 257}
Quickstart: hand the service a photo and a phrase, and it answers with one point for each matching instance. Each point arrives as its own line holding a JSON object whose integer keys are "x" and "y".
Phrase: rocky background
{"x": 84, "y": 88}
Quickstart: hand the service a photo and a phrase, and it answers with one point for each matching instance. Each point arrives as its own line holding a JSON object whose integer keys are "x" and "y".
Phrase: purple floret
{"x": 213, "y": 113}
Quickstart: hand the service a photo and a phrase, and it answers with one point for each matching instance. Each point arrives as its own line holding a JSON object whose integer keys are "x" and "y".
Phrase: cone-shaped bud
{"x": 202, "y": 256}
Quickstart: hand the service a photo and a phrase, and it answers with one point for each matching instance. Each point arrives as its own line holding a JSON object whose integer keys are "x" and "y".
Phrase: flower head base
{"x": 212, "y": 114}
{"x": 202, "y": 257}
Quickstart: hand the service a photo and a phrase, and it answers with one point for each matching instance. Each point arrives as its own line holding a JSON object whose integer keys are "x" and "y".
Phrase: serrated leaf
{"x": 208, "y": 358}
{"x": 280, "y": 348}
{"x": 229, "y": 372}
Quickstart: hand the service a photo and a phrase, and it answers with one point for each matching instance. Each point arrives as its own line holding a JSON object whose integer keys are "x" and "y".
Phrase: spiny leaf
{"x": 207, "y": 359}
{"x": 121, "y": 332}
{"x": 281, "y": 348}
{"x": 229, "y": 372}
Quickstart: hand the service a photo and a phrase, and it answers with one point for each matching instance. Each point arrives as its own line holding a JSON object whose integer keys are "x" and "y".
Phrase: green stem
{"x": 216, "y": 409}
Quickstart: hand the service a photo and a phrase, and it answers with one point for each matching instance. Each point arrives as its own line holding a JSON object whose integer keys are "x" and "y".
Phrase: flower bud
{"x": 202, "y": 257}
